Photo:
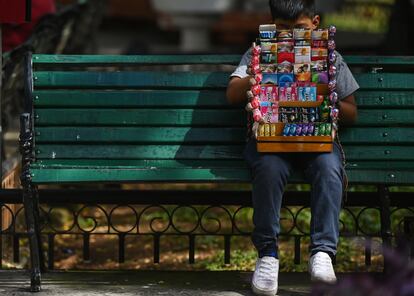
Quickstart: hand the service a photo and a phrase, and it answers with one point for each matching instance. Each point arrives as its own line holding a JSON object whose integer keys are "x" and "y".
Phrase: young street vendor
{"x": 270, "y": 171}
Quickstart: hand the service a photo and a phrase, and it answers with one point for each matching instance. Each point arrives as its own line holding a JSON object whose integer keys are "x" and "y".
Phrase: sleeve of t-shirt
{"x": 241, "y": 70}
{"x": 346, "y": 84}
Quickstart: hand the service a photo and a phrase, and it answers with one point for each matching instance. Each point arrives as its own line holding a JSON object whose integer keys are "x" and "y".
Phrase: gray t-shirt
{"x": 346, "y": 83}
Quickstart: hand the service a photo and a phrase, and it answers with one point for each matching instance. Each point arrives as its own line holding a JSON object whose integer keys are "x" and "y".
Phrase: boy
{"x": 270, "y": 171}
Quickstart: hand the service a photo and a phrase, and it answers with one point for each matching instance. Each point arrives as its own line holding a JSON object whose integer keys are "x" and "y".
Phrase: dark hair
{"x": 291, "y": 9}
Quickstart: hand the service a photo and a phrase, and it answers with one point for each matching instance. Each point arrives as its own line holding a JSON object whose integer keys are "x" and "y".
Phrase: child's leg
{"x": 270, "y": 173}
{"x": 325, "y": 172}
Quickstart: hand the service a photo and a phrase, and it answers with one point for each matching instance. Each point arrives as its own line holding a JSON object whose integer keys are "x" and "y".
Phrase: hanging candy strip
{"x": 334, "y": 114}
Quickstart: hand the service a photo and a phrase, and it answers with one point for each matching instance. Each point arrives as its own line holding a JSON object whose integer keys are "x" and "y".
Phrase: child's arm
{"x": 348, "y": 111}
{"x": 236, "y": 90}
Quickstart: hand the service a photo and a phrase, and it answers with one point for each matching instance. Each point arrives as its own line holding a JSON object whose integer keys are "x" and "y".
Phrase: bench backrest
{"x": 130, "y": 110}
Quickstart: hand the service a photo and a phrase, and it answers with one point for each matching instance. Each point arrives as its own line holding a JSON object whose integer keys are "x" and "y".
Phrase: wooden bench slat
{"x": 377, "y": 135}
{"x": 193, "y": 117}
{"x": 190, "y": 80}
{"x": 91, "y": 60}
{"x": 385, "y": 99}
{"x": 198, "y": 134}
{"x": 230, "y": 152}
{"x": 188, "y": 98}
{"x": 402, "y": 61}
{"x": 385, "y": 117}
{"x": 131, "y": 80}
{"x": 40, "y": 176}
{"x": 195, "y": 59}
{"x": 139, "y": 117}
{"x": 164, "y": 163}
{"x": 132, "y": 99}
{"x": 139, "y": 135}
{"x": 385, "y": 81}
{"x": 137, "y": 163}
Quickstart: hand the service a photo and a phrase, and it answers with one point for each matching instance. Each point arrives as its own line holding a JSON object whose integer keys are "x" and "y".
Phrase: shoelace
{"x": 322, "y": 262}
{"x": 267, "y": 269}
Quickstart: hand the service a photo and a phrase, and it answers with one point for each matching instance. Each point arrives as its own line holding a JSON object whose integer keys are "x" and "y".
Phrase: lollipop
{"x": 334, "y": 98}
{"x": 256, "y": 90}
{"x": 332, "y": 31}
{"x": 255, "y": 103}
{"x": 332, "y": 71}
{"x": 332, "y": 85}
{"x": 335, "y": 114}
{"x": 332, "y": 57}
{"x": 257, "y": 115}
{"x": 331, "y": 45}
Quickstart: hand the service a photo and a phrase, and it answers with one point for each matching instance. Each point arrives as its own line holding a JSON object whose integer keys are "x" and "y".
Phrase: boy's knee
{"x": 326, "y": 166}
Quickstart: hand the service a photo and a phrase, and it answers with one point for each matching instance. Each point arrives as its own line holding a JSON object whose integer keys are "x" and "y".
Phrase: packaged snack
{"x": 302, "y": 54}
{"x": 316, "y": 130}
{"x": 320, "y": 34}
{"x": 268, "y": 68}
{"x": 285, "y": 46}
{"x": 275, "y": 113}
{"x": 328, "y": 129}
{"x": 307, "y": 92}
{"x": 320, "y": 72}
{"x": 286, "y": 57}
{"x": 322, "y": 129}
{"x": 268, "y": 58}
{"x": 283, "y": 79}
{"x": 301, "y": 34}
{"x": 285, "y": 50}
{"x": 288, "y": 92}
{"x": 286, "y": 130}
{"x": 320, "y": 43}
{"x": 311, "y": 129}
{"x": 267, "y": 31}
{"x": 303, "y": 43}
{"x": 299, "y": 129}
{"x": 267, "y": 130}
{"x": 270, "y": 79}
{"x": 303, "y": 72}
{"x": 292, "y": 131}
{"x": 272, "y": 130}
{"x": 319, "y": 54}
{"x": 285, "y": 67}
{"x": 269, "y": 45}
{"x": 305, "y": 128}
{"x": 261, "y": 130}
{"x": 284, "y": 34}
{"x": 269, "y": 93}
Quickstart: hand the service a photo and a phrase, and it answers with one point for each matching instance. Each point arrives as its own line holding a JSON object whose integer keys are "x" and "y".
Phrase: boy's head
{"x": 289, "y": 14}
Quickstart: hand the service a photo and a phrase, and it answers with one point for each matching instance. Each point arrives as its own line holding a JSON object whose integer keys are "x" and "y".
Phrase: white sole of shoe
{"x": 318, "y": 280}
{"x": 261, "y": 292}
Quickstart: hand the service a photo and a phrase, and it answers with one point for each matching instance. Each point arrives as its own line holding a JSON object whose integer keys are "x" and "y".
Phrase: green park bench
{"x": 103, "y": 119}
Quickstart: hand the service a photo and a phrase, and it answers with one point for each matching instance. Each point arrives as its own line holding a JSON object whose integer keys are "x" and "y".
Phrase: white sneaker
{"x": 265, "y": 276}
{"x": 321, "y": 269}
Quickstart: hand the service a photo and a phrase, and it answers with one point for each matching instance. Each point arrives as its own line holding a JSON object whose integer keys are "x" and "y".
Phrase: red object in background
{"x": 13, "y": 34}
{"x": 14, "y": 11}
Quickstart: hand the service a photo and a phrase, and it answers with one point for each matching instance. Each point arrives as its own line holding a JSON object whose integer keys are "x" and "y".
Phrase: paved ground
{"x": 147, "y": 283}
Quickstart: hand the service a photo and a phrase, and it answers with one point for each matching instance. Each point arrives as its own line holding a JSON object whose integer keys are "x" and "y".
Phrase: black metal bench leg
{"x": 38, "y": 228}
{"x": 29, "y": 209}
{"x": 29, "y": 200}
{"x": 386, "y": 232}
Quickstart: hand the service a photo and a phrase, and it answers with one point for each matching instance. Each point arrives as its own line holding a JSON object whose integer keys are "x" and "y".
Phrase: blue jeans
{"x": 270, "y": 172}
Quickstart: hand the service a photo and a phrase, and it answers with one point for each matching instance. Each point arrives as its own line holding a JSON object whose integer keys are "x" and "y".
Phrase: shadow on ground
{"x": 77, "y": 283}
